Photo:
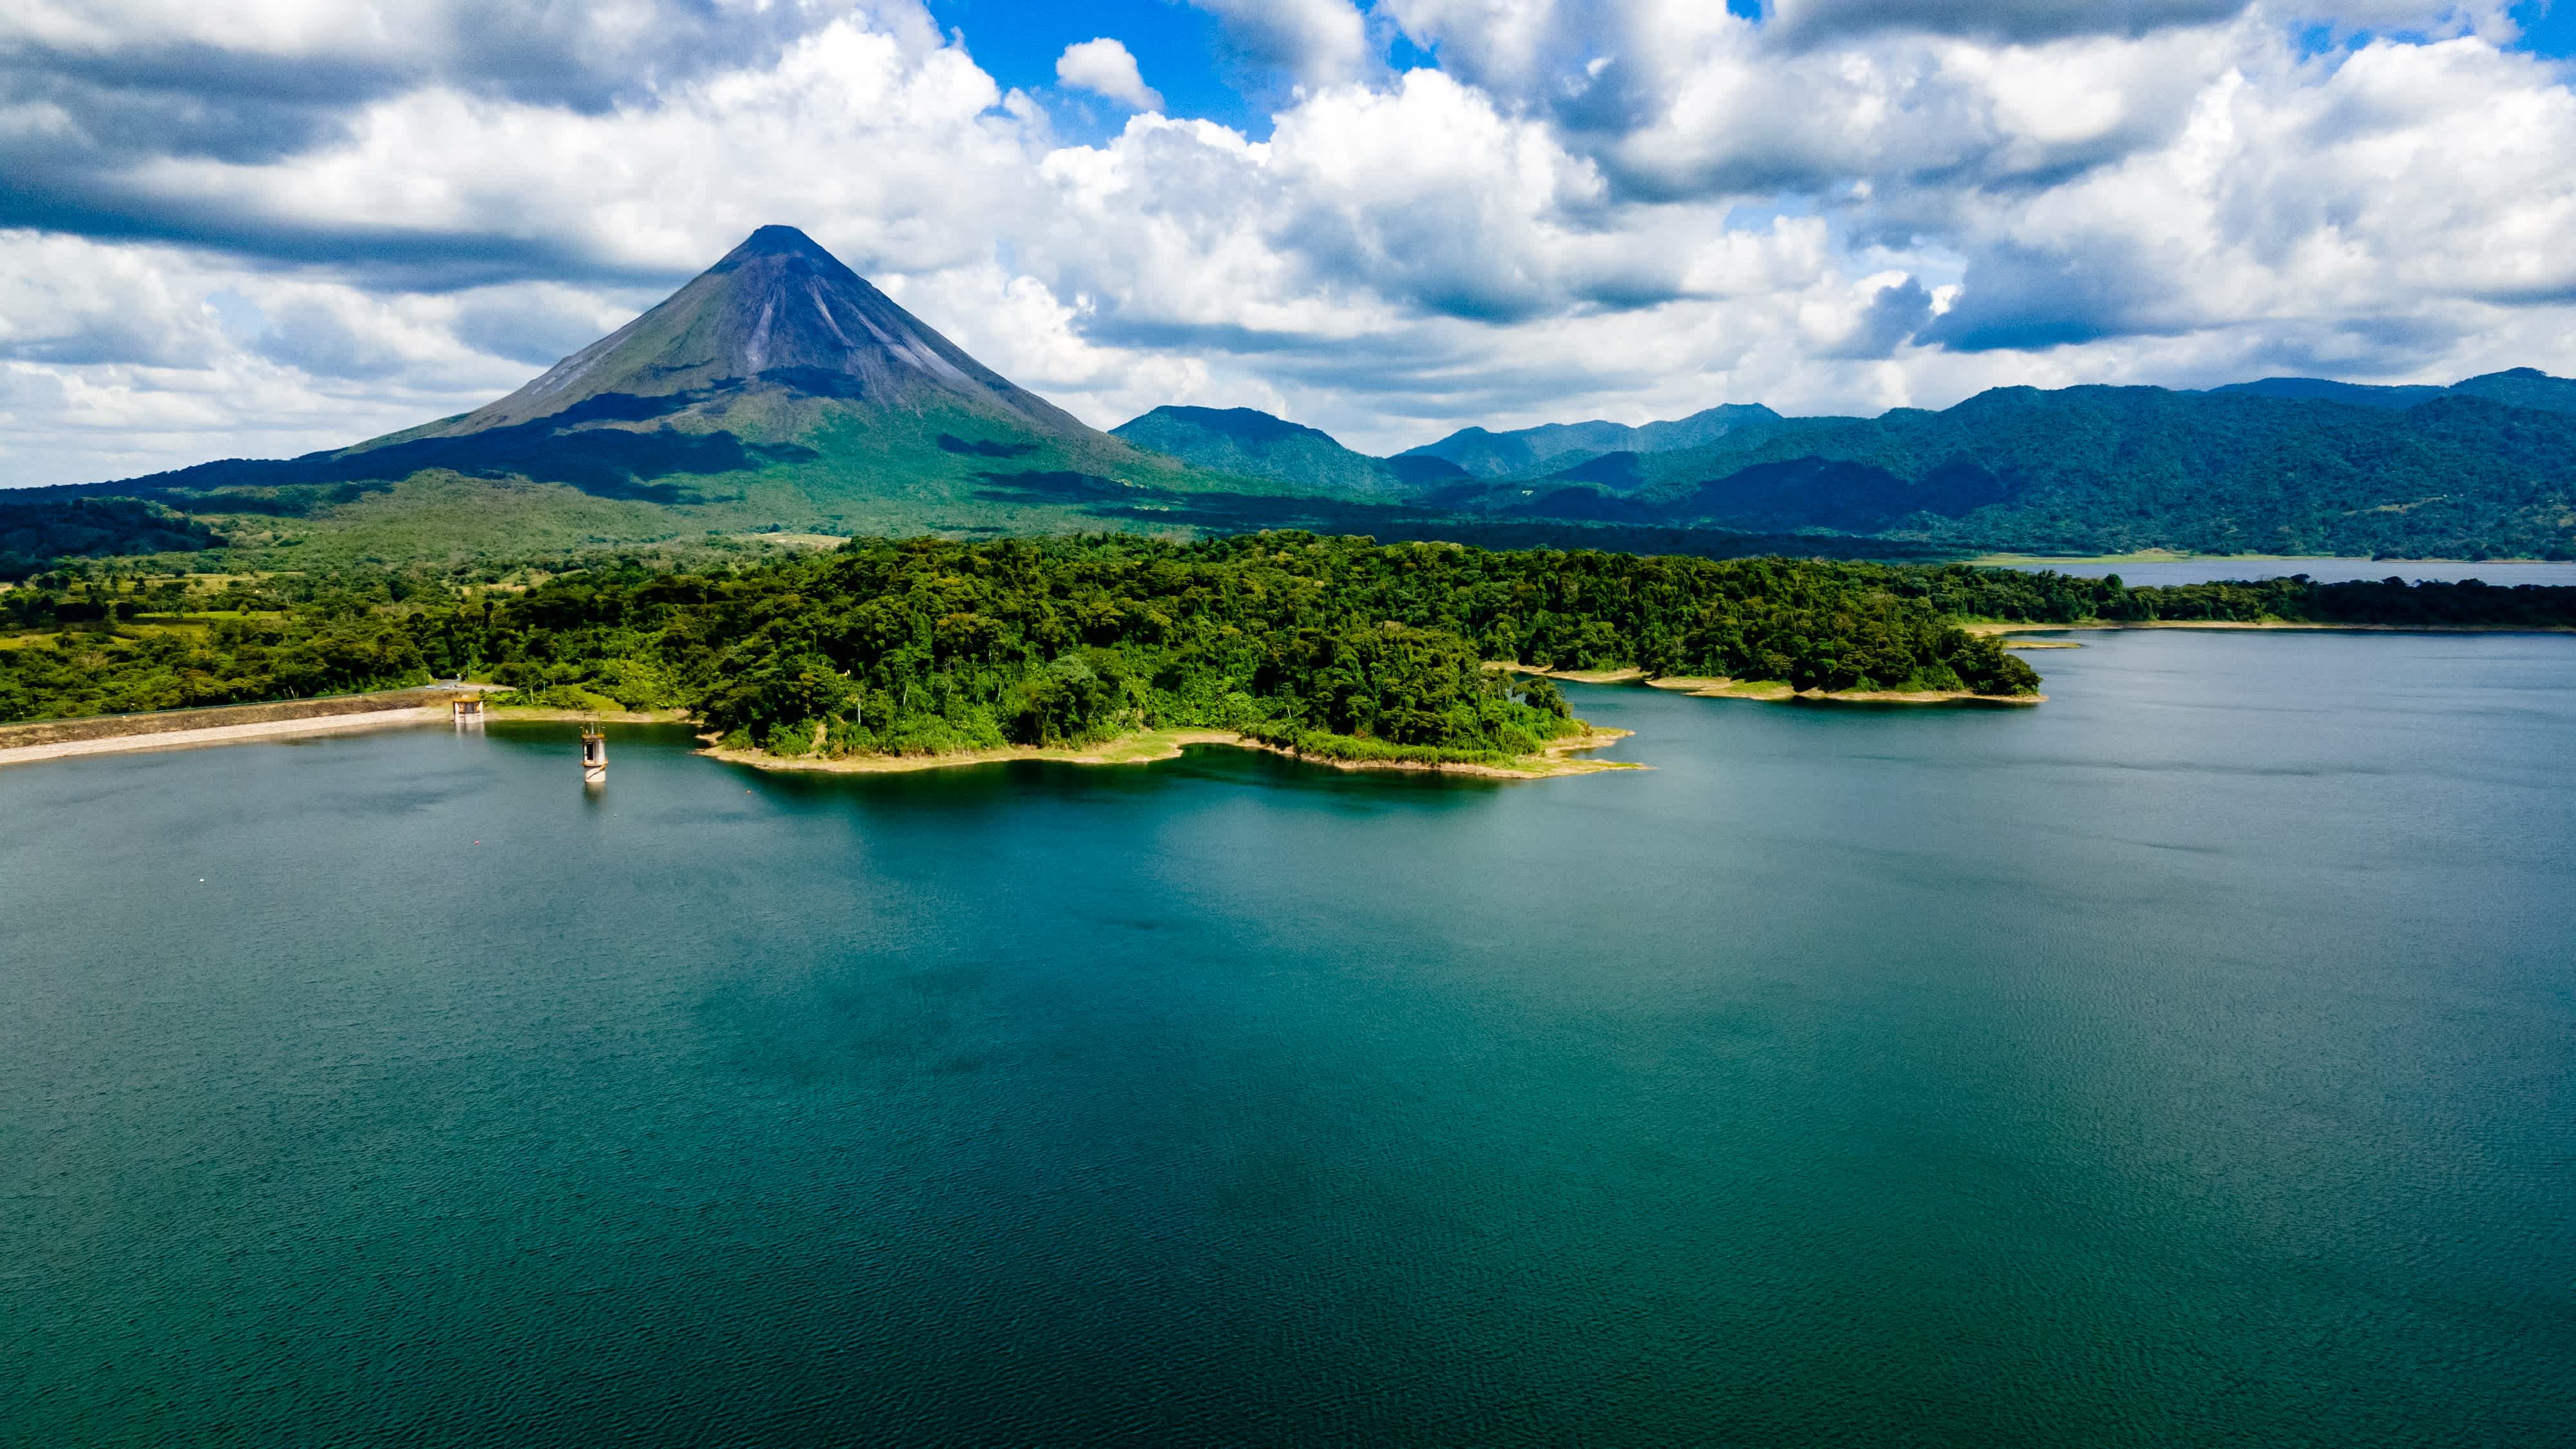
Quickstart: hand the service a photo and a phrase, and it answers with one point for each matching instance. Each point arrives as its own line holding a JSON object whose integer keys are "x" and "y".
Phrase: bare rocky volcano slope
{"x": 778, "y": 319}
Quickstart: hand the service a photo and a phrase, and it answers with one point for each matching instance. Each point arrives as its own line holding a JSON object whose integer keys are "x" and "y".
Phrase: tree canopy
{"x": 1342, "y": 644}
{"x": 1338, "y": 645}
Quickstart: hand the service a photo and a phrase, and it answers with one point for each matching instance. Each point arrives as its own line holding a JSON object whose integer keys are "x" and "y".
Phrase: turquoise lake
{"x": 2189, "y": 1060}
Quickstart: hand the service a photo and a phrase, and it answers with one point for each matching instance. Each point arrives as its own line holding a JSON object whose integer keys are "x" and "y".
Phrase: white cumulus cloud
{"x": 327, "y": 226}
{"x": 1104, "y": 68}
{"x": 1317, "y": 42}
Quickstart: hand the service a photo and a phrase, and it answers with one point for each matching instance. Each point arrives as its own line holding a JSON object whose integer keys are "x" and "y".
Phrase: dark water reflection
{"x": 2191, "y": 1060}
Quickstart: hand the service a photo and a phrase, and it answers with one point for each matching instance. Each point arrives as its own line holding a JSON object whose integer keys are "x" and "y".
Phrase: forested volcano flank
{"x": 776, "y": 365}
{"x": 1257, "y": 445}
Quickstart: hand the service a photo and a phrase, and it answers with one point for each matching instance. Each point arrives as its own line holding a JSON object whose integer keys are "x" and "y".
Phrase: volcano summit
{"x": 773, "y": 331}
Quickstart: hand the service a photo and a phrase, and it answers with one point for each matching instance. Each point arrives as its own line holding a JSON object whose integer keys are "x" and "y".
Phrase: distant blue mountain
{"x": 2521, "y": 387}
{"x": 1253, "y": 444}
{"x": 2318, "y": 389}
{"x": 1552, "y": 447}
{"x": 2482, "y": 469}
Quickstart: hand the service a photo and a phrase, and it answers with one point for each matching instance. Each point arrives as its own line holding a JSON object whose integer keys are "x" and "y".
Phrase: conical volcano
{"x": 776, "y": 391}
{"x": 778, "y": 319}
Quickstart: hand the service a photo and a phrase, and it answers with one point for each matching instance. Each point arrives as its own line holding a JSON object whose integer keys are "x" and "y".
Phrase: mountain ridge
{"x": 1256, "y": 444}
{"x": 1525, "y": 451}
{"x": 2527, "y": 387}
{"x": 2115, "y": 469}
{"x": 779, "y": 390}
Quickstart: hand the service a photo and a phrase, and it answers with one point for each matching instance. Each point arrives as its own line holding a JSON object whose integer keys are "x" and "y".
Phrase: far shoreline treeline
{"x": 1341, "y": 647}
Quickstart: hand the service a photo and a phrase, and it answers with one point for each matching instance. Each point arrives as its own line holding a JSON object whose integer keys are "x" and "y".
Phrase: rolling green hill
{"x": 2319, "y": 389}
{"x": 2522, "y": 387}
{"x": 1253, "y": 444}
{"x": 2113, "y": 470}
{"x": 35, "y": 531}
{"x": 1527, "y": 452}
{"x": 779, "y": 392}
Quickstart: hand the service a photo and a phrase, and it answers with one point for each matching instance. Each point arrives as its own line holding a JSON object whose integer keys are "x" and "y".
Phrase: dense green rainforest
{"x": 1340, "y": 645}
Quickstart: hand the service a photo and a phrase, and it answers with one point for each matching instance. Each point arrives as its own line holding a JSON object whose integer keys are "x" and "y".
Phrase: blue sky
{"x": 1177, "y": 47}
{"x": 1182, "y": 50}
{"x": 258, "y": 227}
{"x": 2547, "y": 28}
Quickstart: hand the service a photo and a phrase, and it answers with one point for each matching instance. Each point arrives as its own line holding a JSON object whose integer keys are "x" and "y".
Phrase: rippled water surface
{"x": 2189, "y": 1060}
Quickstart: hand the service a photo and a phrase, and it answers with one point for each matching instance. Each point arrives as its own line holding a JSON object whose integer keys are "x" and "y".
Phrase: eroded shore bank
{"x": 179, "y": 739}
{"x": 56, "y": 739}
{"x": 1148, "y": 746}
{"x": 2303, "y": 625}
{"x": 1774, "y": 691}
{"x": 235, "y": 724}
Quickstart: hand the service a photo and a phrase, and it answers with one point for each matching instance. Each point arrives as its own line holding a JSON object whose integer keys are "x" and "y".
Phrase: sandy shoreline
{"x": 1152, "y": 745}
{"x": 1771, "y": 690}
{"x": 2296, "y": 624}
{"x": 2160, "y": 556}
{"x": 223, "y": 734}
{"x": 547, "y": 714}
{"x": 1137, "y": 749}
{"x": 1578, "y": 676}
{"x": 1776, "y": 692}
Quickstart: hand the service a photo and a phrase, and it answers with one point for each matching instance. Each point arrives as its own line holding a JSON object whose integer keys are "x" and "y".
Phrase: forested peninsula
{"x": 2013, "y": 596}
{"x": 1338, "y": 648}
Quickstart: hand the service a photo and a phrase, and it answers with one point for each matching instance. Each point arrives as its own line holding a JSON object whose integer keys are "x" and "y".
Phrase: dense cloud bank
{"x": 237, "y": 229}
